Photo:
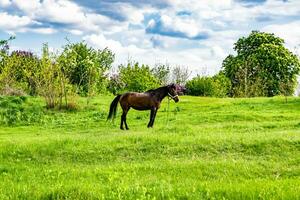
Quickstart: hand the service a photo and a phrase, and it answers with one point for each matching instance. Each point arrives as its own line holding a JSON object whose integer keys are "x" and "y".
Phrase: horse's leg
{"x": 154, "y": 115}
{"x": 126, "y": 126}
{"x": 151, "y": 116}
{"x": 122, "y": 120}
{"x": 123, "y": 116}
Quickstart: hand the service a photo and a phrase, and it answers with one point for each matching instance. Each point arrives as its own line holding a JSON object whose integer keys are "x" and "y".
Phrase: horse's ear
{"x": 170, "y": 86}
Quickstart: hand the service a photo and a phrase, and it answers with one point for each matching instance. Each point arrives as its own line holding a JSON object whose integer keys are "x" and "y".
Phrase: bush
{"x": 221, "y": 85}
{"x": 115, "y": 84}
{"x": 137, "y": 78}
{"x": 17, "y": 73}
{"x": 14, "y": 111}
{"x": 216, "y": 86}
{"x": 200, "y": 86}
{"x": 86, "y": 67}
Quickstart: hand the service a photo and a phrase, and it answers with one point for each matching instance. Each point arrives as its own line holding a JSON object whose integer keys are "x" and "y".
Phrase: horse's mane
{"x": 153, "y": 91}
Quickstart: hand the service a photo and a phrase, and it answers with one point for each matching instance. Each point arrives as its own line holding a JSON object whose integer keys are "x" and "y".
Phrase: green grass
{"x": 209, "y": 148}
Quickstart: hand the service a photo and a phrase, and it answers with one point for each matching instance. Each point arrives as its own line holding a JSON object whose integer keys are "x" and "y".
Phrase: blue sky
{"x": 197, "y": 34}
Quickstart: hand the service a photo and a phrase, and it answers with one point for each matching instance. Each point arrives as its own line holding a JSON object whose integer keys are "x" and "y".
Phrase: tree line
{"x": 262, "y": 66}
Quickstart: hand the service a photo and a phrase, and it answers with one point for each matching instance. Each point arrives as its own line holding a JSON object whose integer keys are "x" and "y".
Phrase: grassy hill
{"x": 204, "y": 148}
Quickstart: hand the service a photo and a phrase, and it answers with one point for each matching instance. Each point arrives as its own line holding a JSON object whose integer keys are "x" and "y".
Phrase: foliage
{"x": 162, "y": 73}
{"x": 18, "y": 71}
{"x": 85, "y": 67}
{"x": 216, "y": 86}
{"x": 52, "y": 83}
{"x": 137, "y": 77}
{"x": 4, "y": 47}
{"x": 180, "y": 75}
{"x": 115, "y": 84}
{"x": 221, "y": 85}
{"x": 13, "y": 111}
{"x": 200, "y": 86}
{"x": 261, "y": 65}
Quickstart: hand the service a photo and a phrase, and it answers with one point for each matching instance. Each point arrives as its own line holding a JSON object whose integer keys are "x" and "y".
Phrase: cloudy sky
{"x": 198, "y": 34}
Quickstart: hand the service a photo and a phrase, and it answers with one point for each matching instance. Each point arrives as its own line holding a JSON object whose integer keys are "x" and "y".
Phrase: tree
{"x": 51, "y": 81}
{"x": 115, "y": 84}
{"x": 17, "y": 70}
{"x": 137, "y": 78}
{"x": 180, "y": 75}
{"x": 261, "y": 65}
{"x": 85, "y": 67}
{"x": 4, "y": 47}
{"x": 162, "y": 73}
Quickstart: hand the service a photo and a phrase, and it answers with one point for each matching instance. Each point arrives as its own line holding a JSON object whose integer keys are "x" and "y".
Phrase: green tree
{"x": 261, "y": 65}
{"x": 17, "y": 73}
{"x": 86, "y": 67}
{"x": 51, "y": 81}
{"x": 162, "y": 73}
{"x": 137, "y": 78}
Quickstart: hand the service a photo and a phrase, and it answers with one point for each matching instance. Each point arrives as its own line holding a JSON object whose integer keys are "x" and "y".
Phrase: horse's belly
{"x": 141, "y": 107}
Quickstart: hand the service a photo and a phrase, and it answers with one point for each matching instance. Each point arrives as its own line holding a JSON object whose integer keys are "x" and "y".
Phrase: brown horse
{"x": 149, "y": 100}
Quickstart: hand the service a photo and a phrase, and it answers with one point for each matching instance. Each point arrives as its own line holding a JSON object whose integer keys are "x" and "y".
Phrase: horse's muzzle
{"x": 176, "y": 99}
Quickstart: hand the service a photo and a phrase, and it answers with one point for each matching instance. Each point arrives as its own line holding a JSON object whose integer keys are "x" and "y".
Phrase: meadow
{"x": 203, "y": 148}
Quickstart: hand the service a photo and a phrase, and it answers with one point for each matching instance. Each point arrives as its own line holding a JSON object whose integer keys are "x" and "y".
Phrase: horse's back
{"x": 139, "y": 101}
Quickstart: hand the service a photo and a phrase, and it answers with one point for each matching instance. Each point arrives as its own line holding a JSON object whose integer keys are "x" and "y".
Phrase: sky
{"x": 197, "y": 34}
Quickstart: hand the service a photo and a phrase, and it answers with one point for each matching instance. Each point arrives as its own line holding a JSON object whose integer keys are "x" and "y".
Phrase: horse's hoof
{"x": 127, "y": 129}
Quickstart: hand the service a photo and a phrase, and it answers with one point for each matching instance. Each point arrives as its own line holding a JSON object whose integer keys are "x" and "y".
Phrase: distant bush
{"x": 85, "y": 67}
{"x": 200, "y": 86}
{"x": 216, "y": 86}
{"x": 162, "y": 72}
{"x": 14, "y": 111}
{"x": 115, "y": 84}
{"x": 137, "y": 77}
{"x": 17, "y": 73}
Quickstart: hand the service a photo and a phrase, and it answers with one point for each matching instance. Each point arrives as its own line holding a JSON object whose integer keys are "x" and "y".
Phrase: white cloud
{"x": 27, "y": 6}
{"x": 68, "y": 14}
{"x": 196, "y": 59}
{"x": 43, "y": 30}
{"x": 4, "y": 3}
{"x": 101, "y": 42}
{"x": 290, "y": 32}
{"x": 14, "y": 23}
{"x": 75, "y": 31}
{"x": 60, "y": 11}
{"x": 182, "y": 24}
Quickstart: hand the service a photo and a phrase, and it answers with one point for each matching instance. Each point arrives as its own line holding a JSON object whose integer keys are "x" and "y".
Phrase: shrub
{"x": 200, "y": 86}
{"x": 137, "y": 78}
{"x": 216, "y": 86}
{"x": 85, "y": 67}
{"x": 14, "y": 111}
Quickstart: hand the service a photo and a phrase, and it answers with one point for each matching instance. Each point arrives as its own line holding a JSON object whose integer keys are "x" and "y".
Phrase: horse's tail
{"x": 113, "y": 108}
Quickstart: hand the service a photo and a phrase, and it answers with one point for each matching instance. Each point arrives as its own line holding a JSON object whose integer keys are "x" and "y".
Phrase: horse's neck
{"x": 162, "y": 92}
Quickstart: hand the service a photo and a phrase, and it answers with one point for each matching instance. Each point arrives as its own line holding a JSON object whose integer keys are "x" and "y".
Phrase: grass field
{"x": 209, "y": 148}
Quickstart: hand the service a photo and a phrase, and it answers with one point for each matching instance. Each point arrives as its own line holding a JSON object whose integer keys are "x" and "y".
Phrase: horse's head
{"x": 172, "y": 92}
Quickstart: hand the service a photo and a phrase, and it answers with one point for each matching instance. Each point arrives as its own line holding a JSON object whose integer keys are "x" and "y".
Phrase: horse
{"x": 149, "y": 100}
